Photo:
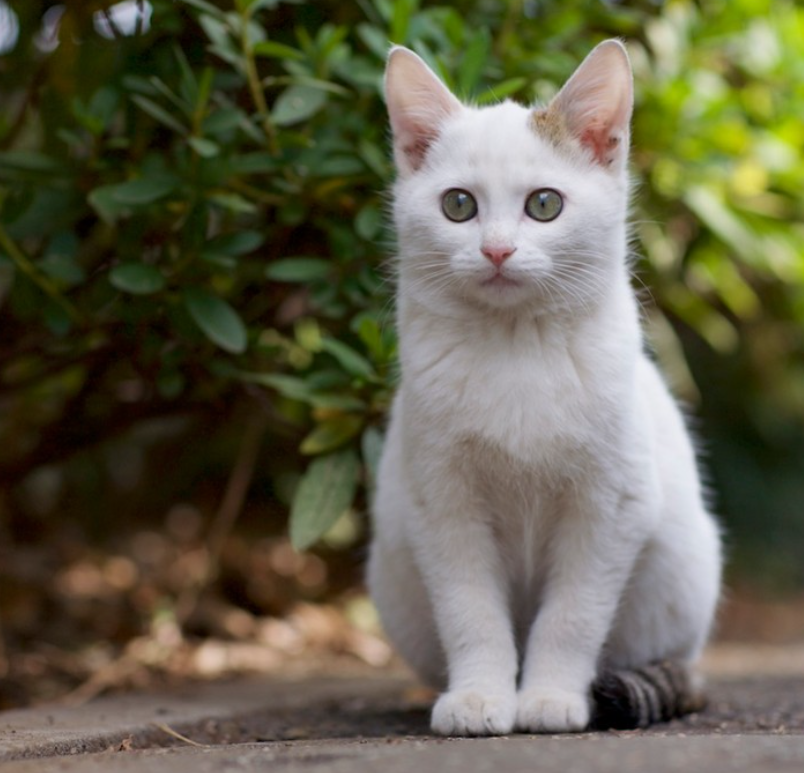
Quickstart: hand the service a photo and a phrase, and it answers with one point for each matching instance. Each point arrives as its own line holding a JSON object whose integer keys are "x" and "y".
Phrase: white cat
{"x": 541, "y": 550}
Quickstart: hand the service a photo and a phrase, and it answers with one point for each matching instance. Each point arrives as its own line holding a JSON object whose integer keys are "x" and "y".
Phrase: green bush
{"x": 192, "y": 231}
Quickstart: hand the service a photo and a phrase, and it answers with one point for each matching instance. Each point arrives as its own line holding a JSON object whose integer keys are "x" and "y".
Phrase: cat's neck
{"x": 603, "y": 338}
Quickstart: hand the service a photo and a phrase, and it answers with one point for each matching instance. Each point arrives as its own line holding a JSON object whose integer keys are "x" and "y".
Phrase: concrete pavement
{"x": 755, "y": 722}
{"x": 735, "y": 754}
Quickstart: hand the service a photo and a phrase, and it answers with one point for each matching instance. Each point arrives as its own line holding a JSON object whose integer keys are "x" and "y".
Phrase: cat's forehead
{"x": 496, "y": 138}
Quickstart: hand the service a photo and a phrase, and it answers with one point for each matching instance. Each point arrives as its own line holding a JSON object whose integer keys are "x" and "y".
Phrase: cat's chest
{"x": 529, "y": 392}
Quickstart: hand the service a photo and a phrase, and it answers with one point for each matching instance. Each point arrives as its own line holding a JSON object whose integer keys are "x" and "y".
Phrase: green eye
{"x": 458, "y": 205}
{"x": 544, "y": 205}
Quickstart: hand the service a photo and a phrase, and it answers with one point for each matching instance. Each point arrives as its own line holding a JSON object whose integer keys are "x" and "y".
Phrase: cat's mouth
{"x": 499, "y": 280}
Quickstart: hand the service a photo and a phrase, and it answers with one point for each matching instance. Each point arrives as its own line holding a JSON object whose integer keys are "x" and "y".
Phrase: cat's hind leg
{"x": 648, "y": 669}
{"x": 669, "y": 604}
{"x": 405, "y": 610}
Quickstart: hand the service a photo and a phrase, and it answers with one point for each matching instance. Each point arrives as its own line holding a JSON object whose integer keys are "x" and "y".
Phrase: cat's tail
{"x": 658, "y": 692}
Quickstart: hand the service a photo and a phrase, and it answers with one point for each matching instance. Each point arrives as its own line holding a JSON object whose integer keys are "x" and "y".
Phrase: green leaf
{"x": 279, "y": 50}
{"x": 342, "y": 403}
{"x": 384, "y": 8}
{"x": 204, "y": 91}
{"x": 252, "y": 6}
{"x": 206, "y": 7}
{"x": 295, "y": 388}
{"x": 254, "y": 163}
{"x": 223, "y": 120}
{"x": 371, "y": 335}
{"x": 298, "y": 269}
{"x": 217, "y": 319}
{"x": 307, "y": 333}
{"x": 288, "y": 386}
{"x": 710, "y": 207}
{"x": 368, "y": 222}
{"x": 234, "y": 202}
{"x": 374, "y": 157}
{"x": 137, "y": 278}
{"x": 297, "y": 103}
{"x": 63, "y": 268}
{"x": 220, "y": 260}
{"x": 338, "y": 166}
{"x": 400, "y": 21}
{"x": 96, "y": 116}
{"x": 324, "y": 85}
{"x": 473, "y": 61}
{"x": 352, "y": 362}
{"x": 327, "y": 379}
{"x": 159, "y": 113}
{"x": 204, "y": 147}
{"x": 230, "y": 55}
{"x": 29, "y": 161}
{"x": 140, "y": 84}
{"x": 60, "y": 260}
{"x": 188, "y": 83}
{"x": 375, "y": 40}
{"x": 171, "y": 97}
{"x": 103, "y": 104}
{"x": 114, "y": 201}
{"x": 144, "y": 190}
{"x": 105, "y": 205}
{"x": 218, "y": 31}
{"x": 325, "y": 492}
{"x": 331, "y": 434}
{"x": 64, "y": 243}
{"x": 250, "y": 127}
{"x": 56, "y": 318}
{"x": 238, "y": 243}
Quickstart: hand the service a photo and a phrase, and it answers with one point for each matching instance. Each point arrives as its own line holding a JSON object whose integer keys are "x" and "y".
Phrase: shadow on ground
{"x": 745, "y": 706}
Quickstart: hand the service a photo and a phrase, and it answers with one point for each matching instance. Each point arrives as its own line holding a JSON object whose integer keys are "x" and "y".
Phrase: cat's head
{"x": 508, "y": 206}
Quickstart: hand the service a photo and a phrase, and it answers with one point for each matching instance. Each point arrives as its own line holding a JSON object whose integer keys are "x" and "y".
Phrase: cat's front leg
{"x": 593, "y": 555}
{"x": 464, "y": 575}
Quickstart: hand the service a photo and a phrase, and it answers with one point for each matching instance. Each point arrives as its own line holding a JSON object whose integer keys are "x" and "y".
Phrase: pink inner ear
{"x": 602, "y": 142}
{"x": 418, "y": 105}
{"x": 414, "y": 138}
{"x": 416, "y": 149}
{"x": 596, "y": 102}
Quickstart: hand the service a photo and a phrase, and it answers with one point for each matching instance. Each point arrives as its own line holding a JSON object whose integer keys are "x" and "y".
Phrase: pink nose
{"x": 498, "y": 255}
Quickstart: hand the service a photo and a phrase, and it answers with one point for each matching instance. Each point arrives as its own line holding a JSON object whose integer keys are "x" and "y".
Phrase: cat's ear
{"x": 594, "y": 106}
{"x": 418, "y": 104}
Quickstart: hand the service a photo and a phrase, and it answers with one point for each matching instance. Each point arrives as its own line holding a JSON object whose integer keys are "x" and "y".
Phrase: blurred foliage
{"x": 192, "y": 240}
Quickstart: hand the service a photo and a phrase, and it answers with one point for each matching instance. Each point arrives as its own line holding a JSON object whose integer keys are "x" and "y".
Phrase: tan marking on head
{"x": 551, "y": 126}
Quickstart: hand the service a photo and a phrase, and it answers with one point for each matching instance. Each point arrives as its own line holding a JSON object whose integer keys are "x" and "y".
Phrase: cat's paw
{"x": 467, "y": 712}
{"x": 552, "y": 710}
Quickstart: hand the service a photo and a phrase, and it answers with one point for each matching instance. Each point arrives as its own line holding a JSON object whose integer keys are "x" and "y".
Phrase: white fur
{"x": 538, "y": 515}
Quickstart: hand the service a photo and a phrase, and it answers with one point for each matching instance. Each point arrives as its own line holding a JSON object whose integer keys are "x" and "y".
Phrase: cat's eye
{"x": 458, "y": 205}
{"x": 544, "y": 205}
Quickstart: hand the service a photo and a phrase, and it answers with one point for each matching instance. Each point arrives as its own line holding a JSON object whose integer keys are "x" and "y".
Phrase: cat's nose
{"x": 498, "y": 255}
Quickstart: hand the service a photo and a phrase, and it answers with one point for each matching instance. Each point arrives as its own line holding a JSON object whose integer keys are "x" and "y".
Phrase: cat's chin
{"x": 502, "y": 292}
{"x": 500, "y": 282}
